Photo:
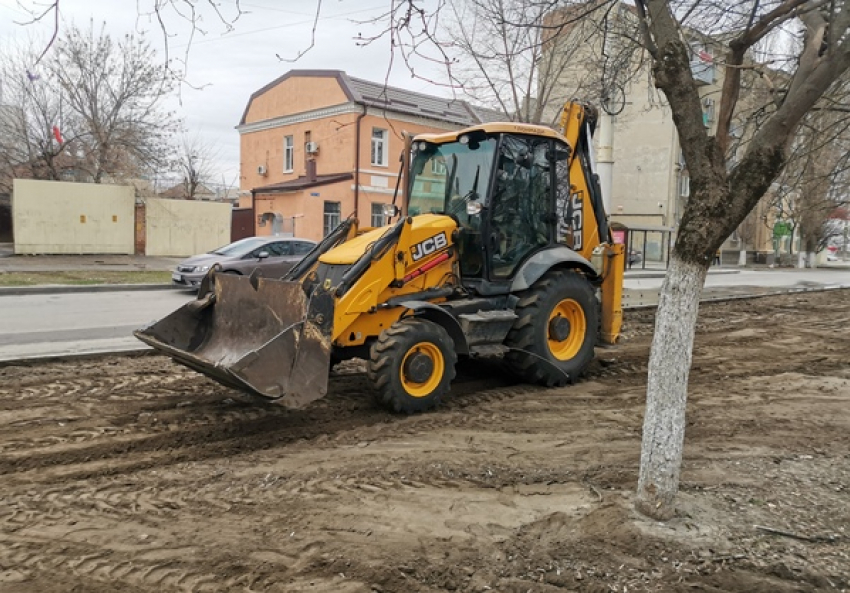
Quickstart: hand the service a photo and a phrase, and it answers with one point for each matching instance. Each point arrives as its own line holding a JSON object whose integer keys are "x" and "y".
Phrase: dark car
{"x": 274, "y": 256}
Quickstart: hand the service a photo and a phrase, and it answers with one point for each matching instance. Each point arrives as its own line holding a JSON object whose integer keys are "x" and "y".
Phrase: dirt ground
{"x": 134, "y": 474}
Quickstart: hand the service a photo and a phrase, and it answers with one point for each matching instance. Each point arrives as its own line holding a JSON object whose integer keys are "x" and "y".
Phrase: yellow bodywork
{"x": 357, "y": 315}
{"x": 612, "y": 292}
{"x": 492, "y": 128}
{"x": 613, "y": 262}
{"x": 571, "y": 120}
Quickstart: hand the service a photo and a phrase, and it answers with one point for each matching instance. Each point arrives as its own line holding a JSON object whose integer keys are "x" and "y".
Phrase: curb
{"x": 743, "y": 297}
{"x": 636, "y": 274}
{"x": 30, "y": 360}
{"x": 71, "y": 288}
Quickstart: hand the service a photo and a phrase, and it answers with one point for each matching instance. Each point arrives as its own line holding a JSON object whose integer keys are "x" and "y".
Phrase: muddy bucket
{"x": 250, "y": 334}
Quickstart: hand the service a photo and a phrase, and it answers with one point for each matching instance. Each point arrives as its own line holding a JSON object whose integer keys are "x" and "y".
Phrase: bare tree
{"x": 721, "y": 197}
{"x": 525, "y": 58}
{"x": 114, "y": 90}
{"x": 502, "y": 65}
{"x": 817, "y": 177}
{"x": 746, "y": 234}
{"x": 31, "y": 127}
{"x": 196, "y": 165}
{"x": 89, "y": 111}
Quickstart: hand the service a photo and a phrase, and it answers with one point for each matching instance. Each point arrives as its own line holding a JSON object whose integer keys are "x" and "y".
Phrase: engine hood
{"x": 350, "y": 251}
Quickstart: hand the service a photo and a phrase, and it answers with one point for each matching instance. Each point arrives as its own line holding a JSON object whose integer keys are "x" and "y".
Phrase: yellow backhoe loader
{"x": 501, "y": 245}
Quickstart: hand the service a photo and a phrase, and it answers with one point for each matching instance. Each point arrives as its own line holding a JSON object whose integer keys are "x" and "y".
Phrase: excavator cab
{"x": 503, "y": 245}
{"x": 509, "y": 193}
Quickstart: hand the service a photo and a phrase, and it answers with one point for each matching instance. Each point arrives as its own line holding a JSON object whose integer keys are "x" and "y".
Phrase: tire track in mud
{"x": 151, "y": 426}
{"x": 206, "y": 428}
{"x": 94, "y": 470}
{"x": 152, "y": 568}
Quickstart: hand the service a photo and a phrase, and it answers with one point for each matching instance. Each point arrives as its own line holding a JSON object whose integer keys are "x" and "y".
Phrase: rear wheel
{"x": 411, "y": 365}
{"x": 554, "y": 335}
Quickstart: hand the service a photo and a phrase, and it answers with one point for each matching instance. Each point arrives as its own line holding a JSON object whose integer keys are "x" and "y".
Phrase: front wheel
{"x": 552, "y": 340}
{"x": 411, "y": 365}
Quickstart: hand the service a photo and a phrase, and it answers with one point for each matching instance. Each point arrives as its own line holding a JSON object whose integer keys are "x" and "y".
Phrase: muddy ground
{"x": 134, "y": 474}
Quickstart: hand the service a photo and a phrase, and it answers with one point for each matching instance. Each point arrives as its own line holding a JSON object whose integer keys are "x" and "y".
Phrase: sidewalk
{"x": 57, "y": 263}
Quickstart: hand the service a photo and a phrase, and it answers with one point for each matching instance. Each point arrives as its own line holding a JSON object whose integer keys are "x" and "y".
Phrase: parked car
{"x": 274, "y": 256}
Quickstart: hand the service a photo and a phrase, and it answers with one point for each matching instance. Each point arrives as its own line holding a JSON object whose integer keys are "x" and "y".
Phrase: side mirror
{"x": 263, "y": 255}
{"x": 391, "y": 210}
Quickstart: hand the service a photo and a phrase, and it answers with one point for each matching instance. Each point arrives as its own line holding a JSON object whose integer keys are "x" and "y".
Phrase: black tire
{"x": 544, "y": 349}
{"x": 395, "y": 375}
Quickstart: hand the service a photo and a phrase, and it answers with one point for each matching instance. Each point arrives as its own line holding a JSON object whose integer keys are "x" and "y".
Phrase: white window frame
{"x": 288, "y": 154}
{"x": 684, "y": 184}
{"x": 331, "y": 220}
{"x": 380, "y": 146}
{"x": 378, "y": 218}
{"x": 438, "y": 167}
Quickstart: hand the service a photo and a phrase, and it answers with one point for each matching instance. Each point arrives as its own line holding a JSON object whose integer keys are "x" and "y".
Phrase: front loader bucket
{"x": 251, "y": 334}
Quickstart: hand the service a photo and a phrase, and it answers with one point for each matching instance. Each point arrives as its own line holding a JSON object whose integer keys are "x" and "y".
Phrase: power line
{"x": 227, "y": 36}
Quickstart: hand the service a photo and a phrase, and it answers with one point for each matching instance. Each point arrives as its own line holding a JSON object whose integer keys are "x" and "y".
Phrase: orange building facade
{"x": 317, "y": 146}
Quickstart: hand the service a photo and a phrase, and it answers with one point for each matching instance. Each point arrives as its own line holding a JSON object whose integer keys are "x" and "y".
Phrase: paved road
{"x": 34, "y": 326}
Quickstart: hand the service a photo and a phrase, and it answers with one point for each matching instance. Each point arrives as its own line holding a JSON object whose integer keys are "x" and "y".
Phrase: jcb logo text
{"x": 429, "y": 246}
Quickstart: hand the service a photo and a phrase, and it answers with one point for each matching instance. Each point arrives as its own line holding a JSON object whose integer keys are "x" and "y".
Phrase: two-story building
{"x": 318, "y": 145}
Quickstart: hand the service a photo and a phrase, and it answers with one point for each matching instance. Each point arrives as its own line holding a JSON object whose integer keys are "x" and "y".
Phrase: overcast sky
{"x": 229, "y": 66}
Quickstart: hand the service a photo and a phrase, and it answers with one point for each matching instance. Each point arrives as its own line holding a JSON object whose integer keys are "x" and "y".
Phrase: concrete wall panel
{"x": 72, "y": 218}
{"x": 182, "y": 227}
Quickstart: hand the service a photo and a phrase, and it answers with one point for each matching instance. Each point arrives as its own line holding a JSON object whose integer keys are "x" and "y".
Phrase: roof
{"x": 181, "y": 191}
{"x": 398, "y": 100}
{"x": 302, "y": 182}
{"x": 494, "y": 128}
{"x": 381, "y": 96}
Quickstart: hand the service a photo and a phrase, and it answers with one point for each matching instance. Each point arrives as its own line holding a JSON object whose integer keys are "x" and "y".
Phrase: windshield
{"x": 240, "y": 248}
{"x": 447, "y": 176}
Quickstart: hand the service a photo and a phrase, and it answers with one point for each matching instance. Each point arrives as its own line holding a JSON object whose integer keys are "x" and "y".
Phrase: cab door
{"x": 522, "y": 209}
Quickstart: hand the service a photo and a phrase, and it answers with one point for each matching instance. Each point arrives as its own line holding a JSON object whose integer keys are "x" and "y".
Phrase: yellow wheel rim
{"x": 569, "y": 347}
{"x": 429, "y": 384}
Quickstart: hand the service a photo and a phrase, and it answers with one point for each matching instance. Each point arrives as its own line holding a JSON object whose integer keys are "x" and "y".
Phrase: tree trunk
{"x": 813, "y": 259}
{"x": 801, "y": 259}
{"x": 667, "y": 389}
{"x": 742, "y": 258}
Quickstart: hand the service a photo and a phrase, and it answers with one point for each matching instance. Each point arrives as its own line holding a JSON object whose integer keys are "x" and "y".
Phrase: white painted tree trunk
{"x": 742, "y": 257}
{"x": 667, "y": 388}
{"x": 813, "y": 260}
{"x": 801, "y": 259}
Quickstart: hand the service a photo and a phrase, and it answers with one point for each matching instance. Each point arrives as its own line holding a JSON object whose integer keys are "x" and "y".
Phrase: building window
{"x": 707, "y": 112}
{"x": 288, "y": 153}
{"x": 379, "y": 147}
{"x": 438, "y": 167}
{"x": 684, "y": 184}
{"x": 378, "y": 218}
{"x": 333, "y": 212}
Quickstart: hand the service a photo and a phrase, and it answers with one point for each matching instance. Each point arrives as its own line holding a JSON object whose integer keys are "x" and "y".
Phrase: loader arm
{"x": 274, "y": 338}
{"x": 596, "y": 244}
